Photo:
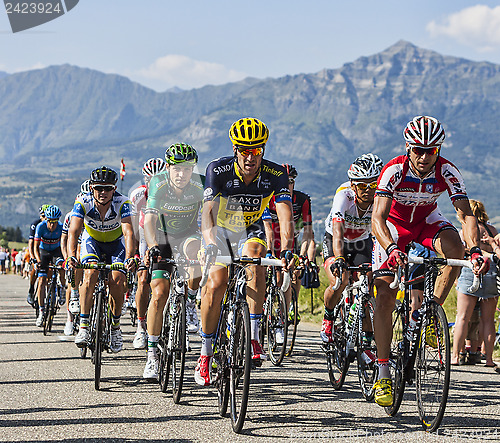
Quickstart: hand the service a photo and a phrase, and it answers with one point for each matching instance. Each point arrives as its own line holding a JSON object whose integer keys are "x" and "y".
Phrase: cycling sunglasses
{"x": 363, "y": 185}
{"x": 55, "y": 220}
{"x": 431, "y": 150}
{"x": 245, "y": 152}
{"x": 105, "y": 188}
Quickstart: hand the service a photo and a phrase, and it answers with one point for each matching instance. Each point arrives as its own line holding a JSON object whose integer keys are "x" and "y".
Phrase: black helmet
{"x": 103, "y": 175}
{"x": 290, "y": 170}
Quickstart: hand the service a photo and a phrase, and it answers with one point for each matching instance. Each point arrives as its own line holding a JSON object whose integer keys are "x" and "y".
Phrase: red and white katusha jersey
{"x": 138, "y": 198}
{"x": 414, "y": 198}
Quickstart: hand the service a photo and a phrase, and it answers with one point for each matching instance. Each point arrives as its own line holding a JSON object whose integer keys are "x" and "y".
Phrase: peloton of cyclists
{"x": 405, "y": 210}
{"x": 237, "y": 190}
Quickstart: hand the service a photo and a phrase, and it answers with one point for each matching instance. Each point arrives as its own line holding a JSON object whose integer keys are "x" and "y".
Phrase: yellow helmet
{"x": 248, "y": 132}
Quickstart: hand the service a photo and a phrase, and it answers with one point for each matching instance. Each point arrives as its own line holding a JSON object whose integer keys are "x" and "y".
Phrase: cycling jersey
{"x": 240, "y": 206}
{"x": 138, "y": 199}
{"x": 33, "y": 228}
{"x": 344, "y": 210}
{"x": 110, "y": 228}
{"x": 177, "y": 216}
{"x": 413, "y": 197}
{"x": 49, "y": 240}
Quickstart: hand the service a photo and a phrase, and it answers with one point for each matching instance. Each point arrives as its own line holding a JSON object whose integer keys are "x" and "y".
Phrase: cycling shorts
{"x": 106, "y": 252}
{"x": 403, "y": 234}
{"x": 355, "y": 253}
{"x": 48, "y": 257}
{"x": 237, "y": 240}
{"x": 164, "y": 270}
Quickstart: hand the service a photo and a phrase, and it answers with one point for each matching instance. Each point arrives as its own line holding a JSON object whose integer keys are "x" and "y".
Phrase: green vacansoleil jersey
{"x": 176, "y": 215}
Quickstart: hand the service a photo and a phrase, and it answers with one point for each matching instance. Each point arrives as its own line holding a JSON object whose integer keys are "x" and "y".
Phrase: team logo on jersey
{"x": 429, "y": 188}
{"x": 220, "y": 169}
{"x": 236, "y": 183}
{"x": 266, "y": 183}
{"x": 208, "y": 193}
{"x": 229, "y": 184}
{"x": 245, "y": 203}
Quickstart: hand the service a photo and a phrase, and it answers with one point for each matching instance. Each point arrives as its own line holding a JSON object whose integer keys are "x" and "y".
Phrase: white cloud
{"x": 186, "y": 73}
{"x": 477, "y": 26}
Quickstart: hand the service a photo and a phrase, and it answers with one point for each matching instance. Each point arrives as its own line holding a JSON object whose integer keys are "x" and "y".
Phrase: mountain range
{"x": 59, "y": 122}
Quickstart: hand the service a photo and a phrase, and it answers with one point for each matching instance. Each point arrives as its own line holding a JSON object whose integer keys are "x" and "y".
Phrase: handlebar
{"x": 438, "y": 261}
{"x": 364, "y": 268}
{"x": 227, "y": 260}
{"x": 111, "y": 267}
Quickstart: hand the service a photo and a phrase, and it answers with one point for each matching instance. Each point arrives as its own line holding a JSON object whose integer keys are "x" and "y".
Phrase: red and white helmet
{"x": 154, "y": 166}
{"x": 424, "y": 131}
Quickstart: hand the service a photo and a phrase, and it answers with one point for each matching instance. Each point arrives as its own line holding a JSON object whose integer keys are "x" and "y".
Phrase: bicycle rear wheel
{"x": 336, "y": 357}
{"x": 367, "y": 366}
{"x": 275, "y": 321}
{"x": 220, "y": 358}
{"x": 240, "y": 365}
{"x": 164, "y": 365}
{"x": 433, "y": 368}
{"x": 396, "y": 360}
{"x": 178, "y": 348}
{"x": 47, "y": 308}
{"x": 293, "y": 321}
{"x": 99, "y": 340}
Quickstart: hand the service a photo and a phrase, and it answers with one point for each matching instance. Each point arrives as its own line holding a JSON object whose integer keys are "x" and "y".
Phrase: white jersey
{"x": 344, "y": 209}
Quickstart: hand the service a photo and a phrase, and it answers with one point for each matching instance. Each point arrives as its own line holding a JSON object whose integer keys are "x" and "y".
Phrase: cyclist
{"x": 347, "y": 239}
{"x": 138, "y": 198}
{"x": 405, "y": 210}
{"x": 103, "y": 217}
{"x": 171, "y": 224}
{"x": 302, "y": 217}
{"x": 31, "y": 243}
{"x": 237, "y": 190}
{"x": 72, "y": 296}
{"x": 47, "y": 247}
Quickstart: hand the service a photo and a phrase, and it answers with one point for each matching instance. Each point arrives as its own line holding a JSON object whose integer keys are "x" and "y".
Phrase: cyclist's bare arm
{"x": 308, "y": 246}
{"x": 36, "y": 246}
{"x": 74, "y": 231}
{"x": 338, "y": 229}
{"x": 129, "y": 237}
{"x": 208, "y": 221}
{"x": 470, "y": 228}
{"x": 381, "y": 208}
{"x": 268, "y": 226}
{"x": 284, "y": 211}
{"x": 150, "y": 220}
{"x": 64, "y": 245}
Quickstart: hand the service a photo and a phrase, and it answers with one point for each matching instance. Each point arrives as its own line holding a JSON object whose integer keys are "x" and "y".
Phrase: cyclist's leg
{"x": 190, "y": 248}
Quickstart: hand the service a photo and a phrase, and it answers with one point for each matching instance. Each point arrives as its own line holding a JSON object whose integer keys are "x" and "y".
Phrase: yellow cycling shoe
{"x": 430, "y": 336}
{"x": 383, "y": 392}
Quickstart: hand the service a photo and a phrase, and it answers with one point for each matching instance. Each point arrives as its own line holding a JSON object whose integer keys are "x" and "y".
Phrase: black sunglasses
{"x": 107, "y": 188}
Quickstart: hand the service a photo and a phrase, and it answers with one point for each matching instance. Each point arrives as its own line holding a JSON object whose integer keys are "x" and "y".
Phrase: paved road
{"x": 47, "y": 394}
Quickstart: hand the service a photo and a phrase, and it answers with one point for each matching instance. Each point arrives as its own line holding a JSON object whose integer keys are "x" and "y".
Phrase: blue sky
{"x": 190, "y": 43}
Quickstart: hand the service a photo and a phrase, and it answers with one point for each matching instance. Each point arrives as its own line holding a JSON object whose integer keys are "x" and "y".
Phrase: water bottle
{"x": 368, "y": 356}
{"x": 352, "y": 313}
{"x": 411, "y": 325}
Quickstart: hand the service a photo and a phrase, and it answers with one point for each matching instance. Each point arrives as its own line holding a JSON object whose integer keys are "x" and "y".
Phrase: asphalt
{"x": 47, "y": 395}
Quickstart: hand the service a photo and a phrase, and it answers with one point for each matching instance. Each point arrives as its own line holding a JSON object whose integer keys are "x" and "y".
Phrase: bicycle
{"x": 100, "y": 316}
{"x": 172, "y": 340}
{"x": 352, "y": 315}
{"x": 275, "y": 320}
{"x": 52, "y": 296}
{"x": 415, "y": 354}
{"x": 231, "y": 346}
{"x": 292, "y": 320}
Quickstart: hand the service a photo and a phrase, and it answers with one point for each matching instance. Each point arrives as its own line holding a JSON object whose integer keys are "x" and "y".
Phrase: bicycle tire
{"x": 294, "y": 305}
{"x": 47, "y": 308}
{"x": 367, "y": 372}
{"x": 276, "y": 318}
{"x": 221, "y": 351}
{"x": 164, "y": 367}
{"x": 433, "y": 369}
{"x": 53, "y": 308}
{"x": 179, "y": 349}
{"x": 396, "y": 360}
{"x": 99, "y": 339}
{"x": 336, "y": 357}
{"x": 240, "y": 365}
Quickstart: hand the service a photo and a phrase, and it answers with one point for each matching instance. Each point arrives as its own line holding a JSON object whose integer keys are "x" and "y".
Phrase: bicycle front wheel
{"x": 292, "y": 322}
{"x": 164, "y": 357}
{"x": 367, "y": 365}
{"x": 336, "y": 357}
{"x": 276, "y": 326}
{"x": 433, "y": 368}
{"x": 99, "y": 340}
{"x": 240, "y": 366}
{"x": 178, "y": 348}
{"x": 396, "y": 360}
{"x": 220, "y": 364}
{"x": 47, "y": 309}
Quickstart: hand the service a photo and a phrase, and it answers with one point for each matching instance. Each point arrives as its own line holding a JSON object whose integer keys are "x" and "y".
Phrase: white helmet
{"x": 85, "y": 187}
{"x": 365, "y": 166}
{"x": 424, "y": 131}
{"x": 154, "y": 166}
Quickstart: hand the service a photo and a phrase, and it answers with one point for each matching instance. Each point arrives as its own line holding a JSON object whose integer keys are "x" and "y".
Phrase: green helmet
{"x": 181, "y": 153}
{"x": 42, "y": 209}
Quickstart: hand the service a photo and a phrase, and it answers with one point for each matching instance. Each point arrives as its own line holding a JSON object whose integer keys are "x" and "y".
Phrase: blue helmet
{"x": 52, "y": 212}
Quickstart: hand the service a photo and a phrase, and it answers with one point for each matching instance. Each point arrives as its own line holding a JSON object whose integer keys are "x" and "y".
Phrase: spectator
{"x": 3, "y": 258}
